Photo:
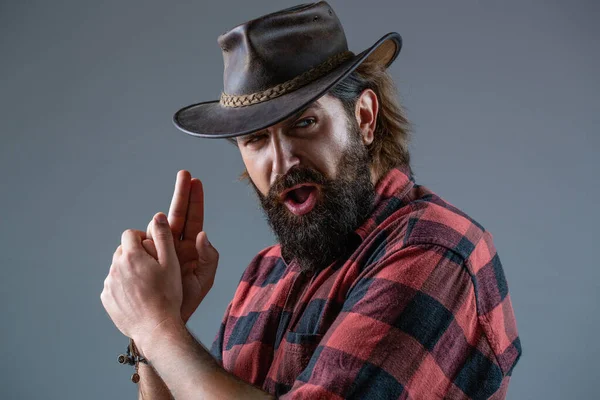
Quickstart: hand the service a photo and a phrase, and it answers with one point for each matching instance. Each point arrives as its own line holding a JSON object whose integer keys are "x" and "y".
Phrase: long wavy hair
{"x": 392, "y": 131}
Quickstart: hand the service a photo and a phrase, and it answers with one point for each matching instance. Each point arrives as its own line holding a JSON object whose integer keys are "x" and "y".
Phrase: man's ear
{"x": 367, "y": 107}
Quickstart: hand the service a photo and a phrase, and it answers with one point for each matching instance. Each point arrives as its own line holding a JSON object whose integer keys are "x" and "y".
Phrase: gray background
{"x": 503, "y": 96}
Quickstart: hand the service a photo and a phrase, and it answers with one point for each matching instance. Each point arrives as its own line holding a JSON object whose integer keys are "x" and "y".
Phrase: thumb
{"x": 208, "y": 258}
{"x": 163, "y": 240}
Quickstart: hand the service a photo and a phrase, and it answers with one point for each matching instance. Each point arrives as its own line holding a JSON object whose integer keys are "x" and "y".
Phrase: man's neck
{"x": 375, "y": 176}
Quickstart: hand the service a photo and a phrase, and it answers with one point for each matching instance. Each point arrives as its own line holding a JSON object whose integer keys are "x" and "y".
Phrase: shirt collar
{"x": 390, "y": 192}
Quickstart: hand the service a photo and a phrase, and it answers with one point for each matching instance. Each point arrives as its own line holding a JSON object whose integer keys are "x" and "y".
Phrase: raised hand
{"x": 141, "y": 293}
{"x": 197, "y": 257}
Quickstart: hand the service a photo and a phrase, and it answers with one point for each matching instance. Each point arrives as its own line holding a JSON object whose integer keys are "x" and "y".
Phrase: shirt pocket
{"x": 297, "y": 352}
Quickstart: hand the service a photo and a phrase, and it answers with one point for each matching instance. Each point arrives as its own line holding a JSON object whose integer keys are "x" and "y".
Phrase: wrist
{"x": 167, "y": 330}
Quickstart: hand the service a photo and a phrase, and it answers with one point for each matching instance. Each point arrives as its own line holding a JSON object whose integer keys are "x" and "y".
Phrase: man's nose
{"x": 284, "y": 156}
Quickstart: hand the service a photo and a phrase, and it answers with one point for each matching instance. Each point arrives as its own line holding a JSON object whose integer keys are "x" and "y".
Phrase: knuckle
{"x": 178, "y": 213}
{"x": 129, "y": 256}
{"x": 124, "y": 235}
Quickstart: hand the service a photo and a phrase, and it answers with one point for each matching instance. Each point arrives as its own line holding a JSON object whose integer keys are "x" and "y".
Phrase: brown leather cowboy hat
{"x": 275, "y": 66}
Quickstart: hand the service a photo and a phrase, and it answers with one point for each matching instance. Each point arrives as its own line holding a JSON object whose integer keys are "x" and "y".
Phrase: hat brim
{"x": 212, "y": 120}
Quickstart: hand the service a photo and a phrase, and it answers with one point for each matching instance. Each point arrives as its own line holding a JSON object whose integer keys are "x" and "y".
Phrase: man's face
{"x": 311, "y": 174}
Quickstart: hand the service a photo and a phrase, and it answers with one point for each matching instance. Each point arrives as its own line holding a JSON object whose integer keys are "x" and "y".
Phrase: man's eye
{"x": 305, "y": 122}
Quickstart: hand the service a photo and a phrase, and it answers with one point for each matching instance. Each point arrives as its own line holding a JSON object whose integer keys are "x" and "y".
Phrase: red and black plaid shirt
{"x": 419, "y": 310}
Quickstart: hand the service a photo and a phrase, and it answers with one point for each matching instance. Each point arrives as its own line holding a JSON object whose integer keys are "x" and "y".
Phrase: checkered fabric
{"x": 419, "y": 310}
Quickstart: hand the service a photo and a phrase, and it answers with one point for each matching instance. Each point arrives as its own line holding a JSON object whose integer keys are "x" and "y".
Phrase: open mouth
{"x": 300, "y": 199}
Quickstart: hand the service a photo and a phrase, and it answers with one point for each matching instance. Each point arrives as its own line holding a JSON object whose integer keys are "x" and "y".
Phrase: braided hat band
{"x": 288, "y": 86}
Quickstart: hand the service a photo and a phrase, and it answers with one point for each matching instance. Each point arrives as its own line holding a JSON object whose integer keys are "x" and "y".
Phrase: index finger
{"x": 179, "y": 203}
{"x": 195, "y": 215}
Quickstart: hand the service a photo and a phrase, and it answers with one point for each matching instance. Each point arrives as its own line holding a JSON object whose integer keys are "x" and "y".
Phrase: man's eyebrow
{"x": 290, "y": 120}
{"x": 248, "y": 136}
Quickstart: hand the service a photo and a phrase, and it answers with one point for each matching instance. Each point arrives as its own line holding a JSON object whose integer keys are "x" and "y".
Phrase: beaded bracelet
{"x": 132, "y": 358}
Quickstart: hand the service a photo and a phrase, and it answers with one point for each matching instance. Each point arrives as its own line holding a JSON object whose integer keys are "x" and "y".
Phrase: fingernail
{"x": 161, "y": 219}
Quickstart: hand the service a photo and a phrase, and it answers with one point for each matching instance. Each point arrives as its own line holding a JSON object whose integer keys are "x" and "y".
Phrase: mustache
{"x": 295, "y": 176}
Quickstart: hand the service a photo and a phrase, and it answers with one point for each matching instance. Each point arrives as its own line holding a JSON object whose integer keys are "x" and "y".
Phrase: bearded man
{"x": 377, "y": 288}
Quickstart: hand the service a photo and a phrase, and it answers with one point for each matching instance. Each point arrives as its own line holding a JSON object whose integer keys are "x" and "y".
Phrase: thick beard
{"x": 321, "y": 236}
